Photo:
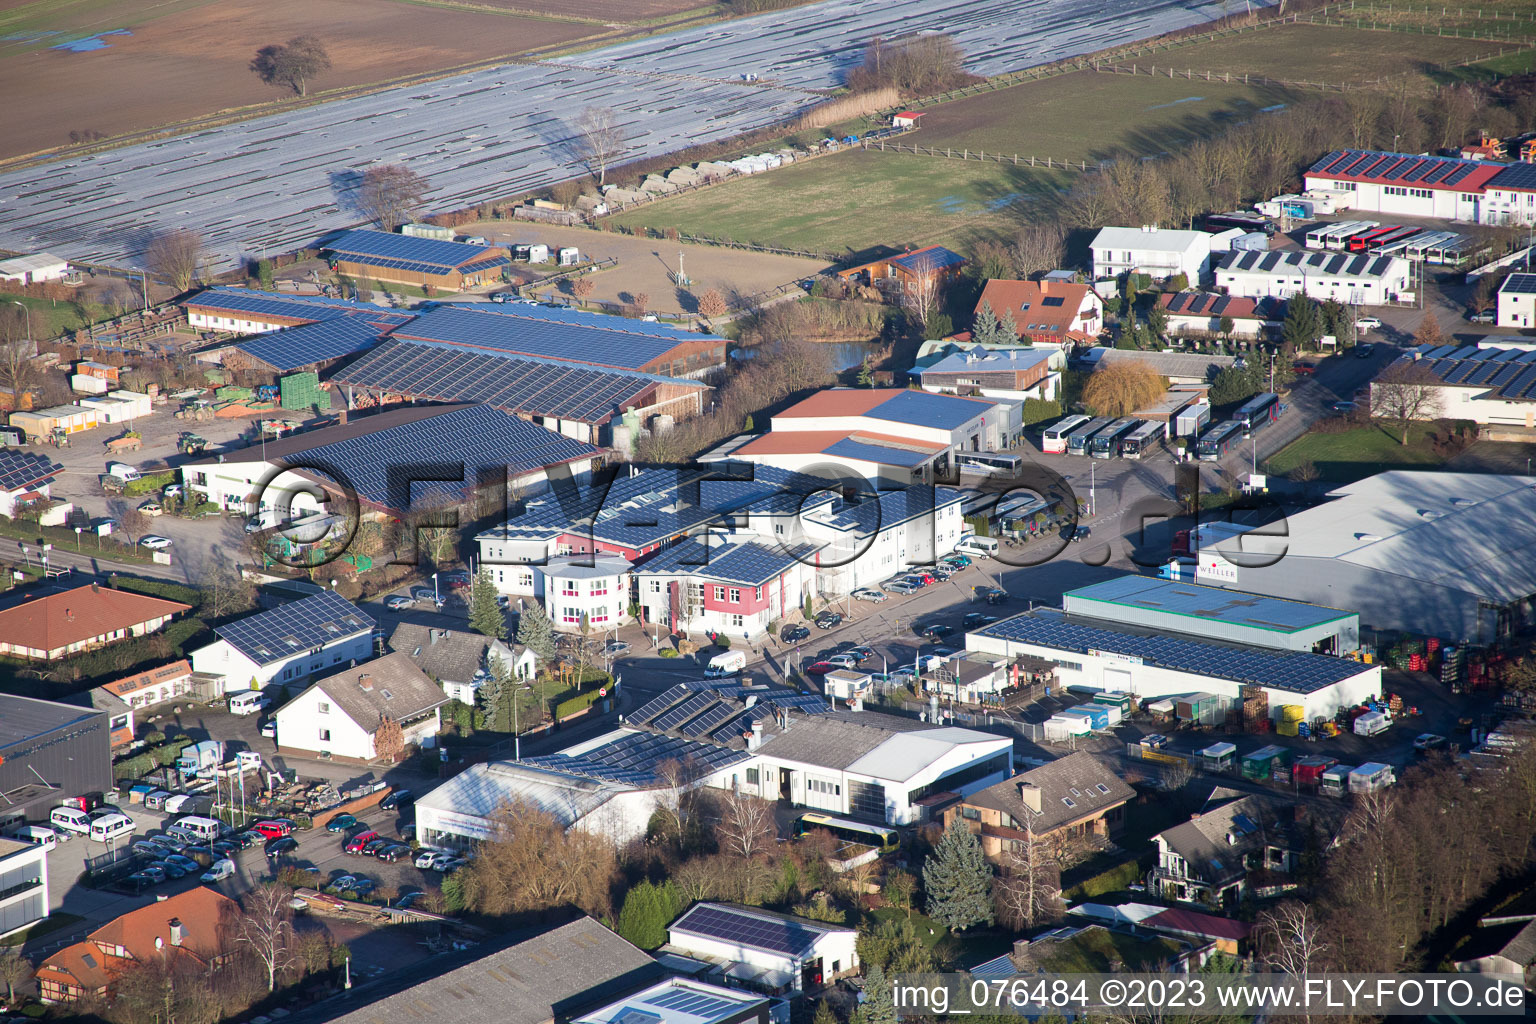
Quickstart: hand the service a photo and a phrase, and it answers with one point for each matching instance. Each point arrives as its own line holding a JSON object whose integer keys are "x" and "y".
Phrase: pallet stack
{"x": 300, "y": 391}
{"x": 1255, "y": 709}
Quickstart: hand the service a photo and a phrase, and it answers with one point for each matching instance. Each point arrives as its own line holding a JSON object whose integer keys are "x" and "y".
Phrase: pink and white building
{"x": 736, "y": 585}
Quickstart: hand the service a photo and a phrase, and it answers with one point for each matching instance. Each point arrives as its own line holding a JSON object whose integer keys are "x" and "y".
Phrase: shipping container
{"x": 1336, "y": 780}
{"x": 1309, "y": 770}
{"x": 1102, "y": 716}
{"x": 1261, "y": 763}
{"x": 1218, "y": 757}
{"x": 1371, "y": 776}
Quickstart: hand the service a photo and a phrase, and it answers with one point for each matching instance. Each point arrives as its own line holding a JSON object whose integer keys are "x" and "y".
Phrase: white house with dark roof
{"x": 1517, "y": 301}
{"x": 1160, "y": 253}
{"x": 1355, "y": 279}
{"x": 460, "y": 662}
{"x": 25, "y": 477}
{"x": 287, "y": 644}
{"x": 768, "y": 950}
{"x": 342, "y": 715}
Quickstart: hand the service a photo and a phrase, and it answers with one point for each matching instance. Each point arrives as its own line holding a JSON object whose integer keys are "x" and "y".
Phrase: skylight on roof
{"x": 1068, "y": 801}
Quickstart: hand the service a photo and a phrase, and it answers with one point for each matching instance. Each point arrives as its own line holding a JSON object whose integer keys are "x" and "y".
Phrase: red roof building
{"x": 1046, "y": 312}
{"x": 1203, "y": 311}
{"x": 55, "y": 625}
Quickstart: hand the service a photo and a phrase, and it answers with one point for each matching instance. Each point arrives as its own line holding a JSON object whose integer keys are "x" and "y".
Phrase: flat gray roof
{"x": 1209, "y": 604}
{"x": 22, "y": 718}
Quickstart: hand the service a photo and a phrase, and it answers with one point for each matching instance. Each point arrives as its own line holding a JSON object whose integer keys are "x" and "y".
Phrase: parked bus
{"x": 1370, "y": 239}
{"x": 1106, "y": 443}
{"x": 878, "y": 836}
{"x": 1077, "y": 441}
{"x": 1054, "y": 439}
{"x": 1339, "y": 241}
{"x": 1258, "y": 411}
{"x": 1143, "y": 439}
{"x": 987, "y": 463}
{"x": 1318, "y": 237}
{"x": 1395, "y": 240}
{"x": 1217, "y": 441}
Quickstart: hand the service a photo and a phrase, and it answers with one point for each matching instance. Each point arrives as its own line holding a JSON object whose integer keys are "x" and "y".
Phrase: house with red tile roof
{"x": 196, "y": 924}
{"x": 1054, "y": 313}
{"x": 1203, "y": 312}
{"x": 54, "y": 625}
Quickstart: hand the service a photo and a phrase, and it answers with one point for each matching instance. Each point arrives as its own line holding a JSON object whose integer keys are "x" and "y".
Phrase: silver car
{"x": 865, "y": 594}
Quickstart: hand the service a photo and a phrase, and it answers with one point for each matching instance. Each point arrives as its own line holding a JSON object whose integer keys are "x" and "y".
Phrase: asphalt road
{"x": 277, "y": 183}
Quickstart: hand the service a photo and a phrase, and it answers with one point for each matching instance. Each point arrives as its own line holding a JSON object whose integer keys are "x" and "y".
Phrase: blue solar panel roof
{"x": 751, "y": 564}
{"x": 754, "y": 930}
{"x": 295, "y": 307}
{"x": 19, "y": 469}
{"x": 634, "y": 759}
{"x": 1515, "y": 176}
{"x": 1293, "y": 671}
{"x": 477, "y": 435}
{"x": 431, "y": 253}
{"x": 318, "y": 342}
{"x": 934, "y": 257}
{"x": 926, "y": 409}
{"x": 869, "y": 452}
{"x": 571, "y": 342}
{"x": 878, "y": 512}
{"x": 295, "y": 628}
{"x": 584, "y": 318}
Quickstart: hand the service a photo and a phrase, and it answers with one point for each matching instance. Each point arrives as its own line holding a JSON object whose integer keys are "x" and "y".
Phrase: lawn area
{"x": 951, "y": 949}
{"x": 1342, "y": 458}
{"x": 57, "y": 921}
{"x": 52, "y": 317}
{"x": 1493, "y": 18}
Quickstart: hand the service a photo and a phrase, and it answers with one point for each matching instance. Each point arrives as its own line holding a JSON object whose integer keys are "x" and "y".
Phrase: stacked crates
{"x": 231, "y": 393}
{"x": 1292, "y": 717}
{"x": 1255, "y": 709}
{"x": 1451, "y": 666}
{"x": 300, "y": 391}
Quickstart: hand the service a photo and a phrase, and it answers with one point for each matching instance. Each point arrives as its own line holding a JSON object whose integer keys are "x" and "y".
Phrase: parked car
{"x": 937, "y": 631}
{"x": 443, "y": 860}
{"x": 250, "y": 837}
{"x": 373, "y": 846}
{"x": 940, "y": 652}
{"x": 424, "y": 858}
{"x": 1304, "y": 369}
{"x": 170, "y": 870}
{"x": 452, "y": 865}
{"x": 272, "y": 829}
{"x": 828, "y": 620}
{"x": 614, "y": 647}
{"x": 268, "y": 728}
{"x": 187, "y": 864}
{"x": 364, "y": 886}
{"x": 1364, "y": 351}
{"x": 901, "y": 587}
{"x": 224, "y": 848}
{"x": 398, "y": 603}
{"x": 921, "y": 579}
{"x": 399, "y": 798}
{"x": 956, "y": 559}
{"x": 221, "y": 870}
{"x": 861, "y": 652}
{"x": 1343, "y": 408}
{"x": 393, "y": 852}
{"x": 362, "y": 839}
{"x": 975, "y": 619}
{"x": 794, "y": 634}
{"x": 408, "y": 898}
{"x": 1427, "y": 741}
{"x": 149, "y": 848}
{"x": 819, "y": 668}
{"x": 342, "y": 883}
{"x": 865, "y": 594}
{"x": 154, "y": 542}
{"x": 1076, "y": 534}
{"x": 340, "y": 823}
{"x": 154, "y": 872}
{"x": 1487, "y": 316}
{"x": 151, "y": 509}
{"x": 277, "y": 847}
{"x": 457, "y": 578}
{"x": 843, "y": 661}
{"x": 137, "y": 882}
{"x": 1367, "y": 323}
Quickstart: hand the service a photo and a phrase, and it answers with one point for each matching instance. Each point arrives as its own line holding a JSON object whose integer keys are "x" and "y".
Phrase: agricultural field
{"x": 137, "y": 64}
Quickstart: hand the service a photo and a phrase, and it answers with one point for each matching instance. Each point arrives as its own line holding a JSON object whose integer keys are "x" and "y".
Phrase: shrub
{"x": 1113, "y": 880}
{"x": 722, "y": 641}
{"x": 148, "y": 484}
{"x": 576, "y": 704}
{"x": 668, "y": 652}
{"x": 161, "y": 589}
{"x": 1038, "y": 410}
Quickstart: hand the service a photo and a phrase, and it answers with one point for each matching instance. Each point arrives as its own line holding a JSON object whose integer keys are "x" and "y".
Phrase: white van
{"x": 110, "y": 827}
{"x": 70, "y": 819}
{"x": 730, "y": 663}
{"x": 974, "y": 545}
{"x": 203, "y": 830}
{"x": 37, "y": 835}
{"x": 250, "y": 702}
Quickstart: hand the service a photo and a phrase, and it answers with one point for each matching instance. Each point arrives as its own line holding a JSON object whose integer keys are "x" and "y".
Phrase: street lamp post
{"x": 435, "y": 596}
{"x": 27, "y": 310}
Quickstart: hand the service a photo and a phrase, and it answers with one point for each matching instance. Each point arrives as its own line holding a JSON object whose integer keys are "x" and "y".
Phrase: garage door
{"x": 1118, "y": 679}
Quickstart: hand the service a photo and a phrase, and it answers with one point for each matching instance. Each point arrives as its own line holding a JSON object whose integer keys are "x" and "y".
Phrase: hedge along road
{"x": 277, "y": 183}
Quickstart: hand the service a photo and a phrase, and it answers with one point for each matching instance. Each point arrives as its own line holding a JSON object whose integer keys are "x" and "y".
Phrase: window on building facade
{"x": 759, "y": 596}
{"x": 736, "y": 621}
{"x": 735, "y": 595}
{"x": 325, "y": 735}
{"x": 719, "y": 593}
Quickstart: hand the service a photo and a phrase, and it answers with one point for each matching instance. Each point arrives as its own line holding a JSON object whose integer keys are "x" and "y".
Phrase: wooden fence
{"x": 949, "y": 153}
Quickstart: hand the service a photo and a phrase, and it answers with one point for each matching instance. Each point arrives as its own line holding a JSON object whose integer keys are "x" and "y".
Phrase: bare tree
{"x": 1028, "y": 891}
{"x": 533, "y": 863}
{"x": 1039, "y": 247}
{"x": 266, "y": 927}
{"x": 175, "y": 254}
{"x": 17, "y": 370}
{"x": 15, "y": 970}
{"x": 293, "y": 63}
{"x": 673, "y": 802}
{"x": 1291, "y": 938}
{"x": 134, "y": 523}
{"x": 712, "y": 303}
{"x": 583, "y": 287}
{"x": 747, "y": 826}
{"x": 923, "y": 290}
{"x": 1407, "y": 391}
{"x": 389, "y": 738}
{"x": 599, "y": 140}
{"x": 391, "y": 194}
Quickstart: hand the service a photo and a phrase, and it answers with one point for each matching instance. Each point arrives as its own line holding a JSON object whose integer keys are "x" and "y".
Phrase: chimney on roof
{"x": 365, "y": 681}
{"x": 69, "y": 615}
{"x": 341, "y": 416}
{"x": 95, "y": 588}
{"x": 1030, "y": 794}
{"x": 755, "y": 737}
{"x": 178, "y": 932}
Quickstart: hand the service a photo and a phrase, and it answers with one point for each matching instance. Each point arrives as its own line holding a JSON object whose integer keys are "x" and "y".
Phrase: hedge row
{"x": 161, "y": 589}
{"x": 148, "y": 484}
{"x": 1114, "y": 880}
{"x": 576, "y": 704}
{"x": 144, "y": 762}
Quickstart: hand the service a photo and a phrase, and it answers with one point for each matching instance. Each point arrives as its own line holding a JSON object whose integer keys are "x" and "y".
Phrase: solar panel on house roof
{"x": 306, "y": 344}
{"x": 680, "y": 714}
{"x": 20, "y": 469}
{"x": 295, "y": 627}
{"x": 933, "y": 258}
{"x": 657, "y": 705}
{"x": 695, "y": 1003}
{"x": 739, "y": 928}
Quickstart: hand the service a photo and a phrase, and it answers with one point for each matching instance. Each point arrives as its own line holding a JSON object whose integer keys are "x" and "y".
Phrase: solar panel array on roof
{"x": 1292, "y": 671}
{"x": 584, "y": 318}
{"x": 741, "y": 928}
{"x": 646, "y": 712}
{"x": 684, "y": 711}
{"x": 695, "y": 1004}
{"x": 384, "y": 248}
{"x": 577, "y": 343}
{"x": 742, "y": 725}
{"x": 806, "y": 703}
{"x": 1331, "y": 264}
{"x": 1516, "y": 176}
{"x": 535, "y": 387}
{"x": 20, "y": 469}
{"x": 306, "y": 344}
{"x": 1509, "y": 374}
{"x": 712, "y": 719}
{"x": 295, "y": 628}
{"x": 933, "y": 258}
{"x": 1444, "y": 172}
{"x": 751, "y": 563}
{"x": 633, "y": 759}
{"x": 291, "y": 307}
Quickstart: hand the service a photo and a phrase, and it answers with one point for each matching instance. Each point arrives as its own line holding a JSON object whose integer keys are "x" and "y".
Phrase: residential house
{"x": 23, "y": 886}
{"x": 908, "y": 273}
{"x": 460, "y": 662}
{"x": 585, "y": 590}
{"x": 1232, "y": 842}
{"x": 25, "y": 478}
{"x": 1055, "y": 313}
{"x": 1160, "y": 253}
{"x": 1015, "y": 374}
{"x": 737, "y": 586}
{"x": 1071, "y": 799}
{"x": 63, "y": 622}
{"x": 1517, "y": 301}
{"x": 1197, "y": 313}
{"x": 767, "y": 950}
{"x": 1500, "y": 947}
{"x": 195, "y": 923}
{"x": 377, "y": 710}
{"x": 287, "y": 644}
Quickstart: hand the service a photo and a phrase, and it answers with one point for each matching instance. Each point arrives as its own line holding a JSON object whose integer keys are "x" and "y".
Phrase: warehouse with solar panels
{"x": 1406, "y": 185}
{"x": 1491, "y": 386}
{"x": 421, "y": 262}
{"x": 768, "y": 951}
{"x": 287, "y": 645}
{"x": 1353, "y": 279}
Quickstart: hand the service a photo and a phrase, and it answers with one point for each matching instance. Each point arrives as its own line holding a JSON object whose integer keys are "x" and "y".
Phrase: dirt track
{"x": 646, "y": 264}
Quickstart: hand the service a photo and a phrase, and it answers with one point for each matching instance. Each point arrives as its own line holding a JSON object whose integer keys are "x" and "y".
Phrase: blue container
{"x": 1098, "y": 714}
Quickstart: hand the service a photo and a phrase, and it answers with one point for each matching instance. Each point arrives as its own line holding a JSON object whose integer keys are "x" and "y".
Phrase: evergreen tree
{"x": 879, "y": 1005}
{"x": 747, "y": 424}
{"x": 1157, "y": 321}
{"x": 496, "y": 697}
{"x": 643, "y": 919}
{"x": 984, "y": 331}
{"x": 1007, "y": 329}
{"x": 536, "y": 632}
{"x": 1303, "y": 322}
{"x": 866, "y": 374}
{"x": 485, "y": 615}
{"x": 958, "y": 879}
{"x": 824, "y": 1014}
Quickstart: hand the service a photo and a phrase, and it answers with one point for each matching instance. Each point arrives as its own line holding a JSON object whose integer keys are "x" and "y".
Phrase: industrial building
{"x": 421, "y": 262}
{"x": 1355, "y": 280}
{"x": 287, "y": 644}
{"x": 1404, "y": 185}
{"x": 1167, "y": 606}
{"x": 362, "y": 459}
{"x": 1147, "y": 663}
{"x": 1451, "y": 555}
{"x": 765, "y": 949}
{"x": 49, "y": 750}
{"x": 36, "y": 268}
{"x": 1492, "y": 386}
{"x": 23, "y": 886}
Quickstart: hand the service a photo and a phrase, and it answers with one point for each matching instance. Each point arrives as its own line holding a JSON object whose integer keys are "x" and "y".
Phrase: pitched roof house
{"x": 1073, "y": 796}
{"x": 80, "y": 619}
{"x": 1046, "y": 312}
{"x": 352, "y": 714}
{"x": 1216, "y": 855}
{"x": 194, "y": 923}
{"x": 460, "y": 662}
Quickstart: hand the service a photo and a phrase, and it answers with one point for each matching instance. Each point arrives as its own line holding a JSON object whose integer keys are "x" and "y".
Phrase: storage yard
{"x": 272, "y": 183}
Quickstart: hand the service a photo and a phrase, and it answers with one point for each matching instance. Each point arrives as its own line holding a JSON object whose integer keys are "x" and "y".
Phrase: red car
{"x": 820, "y": 668}
{"x": 271, "y": 829}
{"x": 1304, "y": 369}
{"x": 362, "y": 839}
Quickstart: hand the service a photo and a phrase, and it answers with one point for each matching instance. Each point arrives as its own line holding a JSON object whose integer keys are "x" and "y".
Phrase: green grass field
{"x": 52, "y": 318}
{"x": 1354, "y": 454}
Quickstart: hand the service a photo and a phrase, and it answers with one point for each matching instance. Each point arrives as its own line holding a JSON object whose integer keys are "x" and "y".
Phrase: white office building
{"x": 1355, "y": 280}
{"x": 1160, "y": 253}
{"x": 23, "y": 886}
{"x": 287, "y": 644}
